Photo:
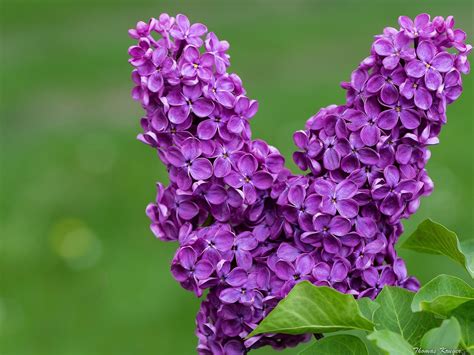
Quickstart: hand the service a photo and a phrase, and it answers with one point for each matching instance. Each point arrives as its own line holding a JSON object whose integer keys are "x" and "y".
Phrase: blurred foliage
{"x": 80, "y": 272}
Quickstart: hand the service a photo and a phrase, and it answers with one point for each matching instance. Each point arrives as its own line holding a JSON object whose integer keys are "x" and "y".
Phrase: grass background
{"x": 80, "y": 272}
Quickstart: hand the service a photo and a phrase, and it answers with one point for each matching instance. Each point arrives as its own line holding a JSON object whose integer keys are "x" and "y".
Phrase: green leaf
{"x": 447, "y": 336}
{"x": 441, "y": 295}
{"x": 313, "y": 309}
{"x": 390, "y": 343}
{"x": 337, "y": 345}
{"x": 367, "y": 307}
{"x": 465, "y": 316}
{"x": 395, "y": 315}
{"x": 433, "y": 238}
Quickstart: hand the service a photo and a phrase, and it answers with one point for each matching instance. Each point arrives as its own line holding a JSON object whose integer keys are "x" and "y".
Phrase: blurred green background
{"x": 81, "y": 274}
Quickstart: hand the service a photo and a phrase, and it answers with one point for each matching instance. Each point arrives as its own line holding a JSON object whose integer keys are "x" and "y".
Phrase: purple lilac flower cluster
{"x": 248, "y": 229}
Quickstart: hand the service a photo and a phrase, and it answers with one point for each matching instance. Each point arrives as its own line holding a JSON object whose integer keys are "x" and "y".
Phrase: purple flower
{"x": 365, "y": 121}
{"x": 301, "y": 208}
{"x": 241, "y": 249}
{"x": 391, "y": 191}
{"x": 326, "y": 230}
{"x": 394, "y": 50}
{"x": 220, "y": 90}
{"x": 196, "y": 64}
{"x": 222, "y": 154}
{"x": 245, "y": 109}
{"x": 292, "y": 274}
{"x": 184, "y": 31}
{"x": 355, "y": 152}
{"x": 218, "y": 49}
{"x": 414, "y": 89}
{"x": 403, "y": 111}
{"x": 430, "y": 65}
{"x": 248, "y": 229}
{"x": 337, "y": 198}
{"x": 384, "y": 82}
{"x": 188, "y": 270}
{"x": 376, "y": 281}
{"x": 355, "y": 93}
{"x": 452, "y": 86}
{"x": 249, "y": 178}
{"x": 327, "y": 275}
{"x": 421, "y": 27}
{"x": 311, "y": 148}
{"x": 190, "y": 163}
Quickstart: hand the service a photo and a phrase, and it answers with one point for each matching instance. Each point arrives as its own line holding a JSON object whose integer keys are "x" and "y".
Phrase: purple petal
{"x": 187, "y": 257}
{"x": 262, "y": 180}
{"x": 410, "y": 118}
{"x": 203, "y": 107}
{"x": 392, "y": 175}
{"x": 323, "y": 187}
{"x": 201, "y": 169}
{"x": 339, "y": 226}
{"x": 229, "y": 295}
{"x": 443, "y": 62}
{"x": 178, "y": 114}
{"x": 197, "y": 29}
{"x": 225, "y": 98}
{"x": 388, "y": 119}
{"x": 383, "y": 47}
{"x": 287, "y": 252}
{"x": 234, "y": 179}
{"x": 203, "y": 269}
{"x": 415, "y": 68}
{"x": 237, "y": 277}
{"x": 345, "y": 189}
{"x": 368, "y": 156}
{"x": 339, "y": 271}
{"x": 207, "y": 129}
{"x": 331, "y": 244}
{"x": 250, "y": 193}
{"x": 155, "y": 82}
{"x": 426, "y": 51}
{"x": 321, "y": 271}
{"x": 433, "y": 79}
{"x": 304, "y": 264}
{"x": 370, "y": 135}
{"x": 375, "y": 83}
{"x": 331, "y": 159}
{"x": 284, "y": 270}
{"x": 423, "y": 98}
{"x": 247, "y": 164}
{"x": 389, "y": 94}
{"x": 222, "y": 167}
{"x": 347, "y": 208}
{"x": 370, "y": 276}
{"x": 296, "y": 195}
{"x": 366, "y": 227}
{"x": 188, "y": 210}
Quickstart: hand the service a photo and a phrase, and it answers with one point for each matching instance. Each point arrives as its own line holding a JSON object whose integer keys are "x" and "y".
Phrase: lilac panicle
{"x": 248, "y": 229}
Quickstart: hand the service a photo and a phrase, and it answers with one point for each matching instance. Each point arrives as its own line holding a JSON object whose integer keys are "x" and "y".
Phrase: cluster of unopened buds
{"x": 249, "y": 229}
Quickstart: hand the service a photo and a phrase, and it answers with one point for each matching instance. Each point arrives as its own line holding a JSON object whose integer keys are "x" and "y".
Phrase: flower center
{"x": 398, "y": 108}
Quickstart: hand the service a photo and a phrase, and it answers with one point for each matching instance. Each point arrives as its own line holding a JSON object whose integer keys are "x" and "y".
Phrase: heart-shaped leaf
{"x": 337, "y": 345}
{"x": 313, "y": 309}
{"x": 434, "y": 238}
{"x": 367, "y": 307}
{"x": 442, "y": 295}
{"x": 390, "y": 343}
{"x": 465, "y": 316}
{"x": 395, "y": 315}
{"x": 447, "y": 336}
